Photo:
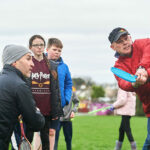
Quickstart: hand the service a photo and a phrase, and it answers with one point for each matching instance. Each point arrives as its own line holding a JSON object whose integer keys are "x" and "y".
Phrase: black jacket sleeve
{"x": 26, "y": 104}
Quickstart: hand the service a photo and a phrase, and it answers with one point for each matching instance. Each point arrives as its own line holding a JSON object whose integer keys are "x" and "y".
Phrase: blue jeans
{"x": 67, "y": 130}
{"x": 146, "y": 145}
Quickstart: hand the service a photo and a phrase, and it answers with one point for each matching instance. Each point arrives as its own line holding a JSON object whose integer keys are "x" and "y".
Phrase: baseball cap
{"x": 116, "y": 33}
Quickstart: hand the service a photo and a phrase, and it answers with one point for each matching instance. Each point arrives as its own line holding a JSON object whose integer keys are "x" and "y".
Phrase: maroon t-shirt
{"x": 41, "y": 86}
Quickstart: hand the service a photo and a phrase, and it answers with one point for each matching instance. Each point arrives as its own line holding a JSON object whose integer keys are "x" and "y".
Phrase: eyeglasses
{"x": 38, "y": 45}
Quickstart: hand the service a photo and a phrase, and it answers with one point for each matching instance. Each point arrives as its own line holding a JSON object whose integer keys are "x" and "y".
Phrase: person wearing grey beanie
{"x": 16, "y": 56}
{"x": 15, "y": 95}
{"x": 11, "y": 53}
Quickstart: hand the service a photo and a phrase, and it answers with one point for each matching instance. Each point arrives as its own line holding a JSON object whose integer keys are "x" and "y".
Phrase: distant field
{"x": 101, "y": 132}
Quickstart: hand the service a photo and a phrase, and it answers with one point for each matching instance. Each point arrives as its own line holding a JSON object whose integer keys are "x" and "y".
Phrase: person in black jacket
{"x": 15, "y": 95}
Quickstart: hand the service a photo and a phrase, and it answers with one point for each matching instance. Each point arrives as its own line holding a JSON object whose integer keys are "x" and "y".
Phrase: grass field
{"x": 101, "y": 132}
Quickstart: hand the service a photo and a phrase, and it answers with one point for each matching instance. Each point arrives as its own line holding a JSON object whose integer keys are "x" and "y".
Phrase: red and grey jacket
{"x": 140, "y": 57}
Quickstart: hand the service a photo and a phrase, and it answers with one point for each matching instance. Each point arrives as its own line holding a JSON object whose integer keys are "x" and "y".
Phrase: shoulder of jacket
{"x": 141, "y": 41}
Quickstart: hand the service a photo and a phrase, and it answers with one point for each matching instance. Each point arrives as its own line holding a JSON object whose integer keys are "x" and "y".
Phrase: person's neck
{"x": 38, "y": 57}
{"x": 126, "y": 55}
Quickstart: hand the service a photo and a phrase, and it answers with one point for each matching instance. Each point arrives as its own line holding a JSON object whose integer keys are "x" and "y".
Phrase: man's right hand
{"x": 142, "y": 77}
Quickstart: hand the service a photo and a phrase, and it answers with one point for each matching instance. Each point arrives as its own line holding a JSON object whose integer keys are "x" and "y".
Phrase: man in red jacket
{"x": 133, "y": 57}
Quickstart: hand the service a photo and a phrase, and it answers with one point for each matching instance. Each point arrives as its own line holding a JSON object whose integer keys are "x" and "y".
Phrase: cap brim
{"x": 119, "y": 35}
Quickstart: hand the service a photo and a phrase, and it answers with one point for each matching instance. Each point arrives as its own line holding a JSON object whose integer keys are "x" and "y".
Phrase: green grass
{"x": 101, "y": 132}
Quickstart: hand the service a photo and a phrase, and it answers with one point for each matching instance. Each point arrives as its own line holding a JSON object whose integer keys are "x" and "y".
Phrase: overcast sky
{"x": 82, "y": 25}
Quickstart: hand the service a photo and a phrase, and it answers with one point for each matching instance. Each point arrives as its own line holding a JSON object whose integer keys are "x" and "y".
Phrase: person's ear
{"x": 112, "y": 46}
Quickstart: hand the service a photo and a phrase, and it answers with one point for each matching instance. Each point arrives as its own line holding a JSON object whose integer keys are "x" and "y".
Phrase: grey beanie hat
{"x": 11, "y": 53}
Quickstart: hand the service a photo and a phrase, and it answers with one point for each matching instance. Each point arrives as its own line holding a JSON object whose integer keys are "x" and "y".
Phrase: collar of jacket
{"x": 60, "y": 60}
{"x": 13, "y": 69}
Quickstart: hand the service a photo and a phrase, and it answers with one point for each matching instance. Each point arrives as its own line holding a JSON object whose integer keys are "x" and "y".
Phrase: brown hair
{"x": 33, "y": 38}
{"x": 53, "y": 72}
{"x": 54, "y": 41}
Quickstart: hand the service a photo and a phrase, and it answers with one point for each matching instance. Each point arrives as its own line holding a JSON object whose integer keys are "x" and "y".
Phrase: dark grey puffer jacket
{"x": 56, "y": 108}
{"x": 15, "y": 99}
{"x": 71, "y": 107}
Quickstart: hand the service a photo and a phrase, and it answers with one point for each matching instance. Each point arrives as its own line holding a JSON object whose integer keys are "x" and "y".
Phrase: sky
{"x": 82, "y": 25}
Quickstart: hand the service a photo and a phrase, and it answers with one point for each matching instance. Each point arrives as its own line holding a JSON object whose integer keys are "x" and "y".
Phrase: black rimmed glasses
{"x": 38, "y": 45}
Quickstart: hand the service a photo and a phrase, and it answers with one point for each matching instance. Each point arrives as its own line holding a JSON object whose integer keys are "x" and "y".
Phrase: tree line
{"x": 99, "y": 91}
